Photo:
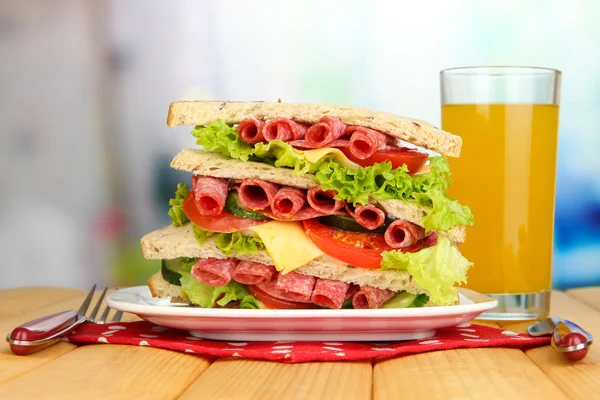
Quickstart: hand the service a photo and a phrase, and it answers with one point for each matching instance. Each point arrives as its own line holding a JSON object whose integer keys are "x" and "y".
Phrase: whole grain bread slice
{"x": 212, "y": 164}
{"x": 174, "y": 242}
{"x": 417, "y": 132}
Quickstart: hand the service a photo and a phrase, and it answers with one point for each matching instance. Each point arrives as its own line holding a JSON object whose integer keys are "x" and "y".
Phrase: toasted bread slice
{"x": 211, "y": 164}
{"x": 419, "y": 133}
{"x": 159, "y": 287}
{"x": 173, "y": 242}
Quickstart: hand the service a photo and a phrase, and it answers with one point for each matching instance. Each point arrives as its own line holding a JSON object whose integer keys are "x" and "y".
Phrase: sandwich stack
{"x": 310, "y": 206}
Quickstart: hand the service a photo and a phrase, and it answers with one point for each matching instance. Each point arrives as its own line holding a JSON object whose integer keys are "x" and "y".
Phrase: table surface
{"x": 118, "y": 372}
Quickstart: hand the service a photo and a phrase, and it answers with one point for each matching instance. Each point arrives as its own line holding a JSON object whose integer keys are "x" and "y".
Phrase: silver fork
{"x": 45, "y": 331}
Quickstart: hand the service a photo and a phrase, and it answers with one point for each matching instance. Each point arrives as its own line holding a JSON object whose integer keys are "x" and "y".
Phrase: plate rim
{"x": 480, "y": 304}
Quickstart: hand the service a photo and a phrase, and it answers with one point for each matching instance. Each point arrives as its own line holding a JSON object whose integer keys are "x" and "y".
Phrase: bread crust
{"x": 173, "y": 242}
{"x": 212, "y": 164}
{"x": 417, "y": 132}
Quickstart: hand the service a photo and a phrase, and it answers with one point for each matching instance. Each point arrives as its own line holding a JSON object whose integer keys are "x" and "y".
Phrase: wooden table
{"x": 118, "y": 372}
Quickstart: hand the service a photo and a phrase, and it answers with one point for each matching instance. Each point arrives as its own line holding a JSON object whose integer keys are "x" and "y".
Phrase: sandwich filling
{"x": 340, "y": 219}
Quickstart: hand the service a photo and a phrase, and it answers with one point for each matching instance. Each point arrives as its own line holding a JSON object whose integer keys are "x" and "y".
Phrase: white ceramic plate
{"x": 319, "y": 325}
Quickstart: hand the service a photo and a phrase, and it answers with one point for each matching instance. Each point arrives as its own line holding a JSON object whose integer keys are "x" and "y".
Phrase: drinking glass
{"x": 508, "y": 120}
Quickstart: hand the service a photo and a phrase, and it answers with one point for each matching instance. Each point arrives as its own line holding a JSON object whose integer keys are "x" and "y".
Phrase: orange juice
{"x": 506, "y": 175}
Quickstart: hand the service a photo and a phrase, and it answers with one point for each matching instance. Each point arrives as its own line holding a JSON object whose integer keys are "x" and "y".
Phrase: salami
{"x": 368, "y": 215}
{"x": 214, "y": 272}
{"x": 283, "y": 129}
{"x": 306, "y": 213}
{"x": 287, "y": 202}
{"x": 370, "y": 297}
{"x": 402, "y": 234}
{"x": 256, "y": 194}
{"x": 270, "y": 287}
{"x": 251, "y": 273}
{"x": 210, "y": 194}
{"x": 251, "y": 130}
{"x": 364, "y": 141}
{"x": 329, "y": 293}
{"x": 323, "y": 200}
{"x": 325, "y": 132}
{"x": 297, "y": 287}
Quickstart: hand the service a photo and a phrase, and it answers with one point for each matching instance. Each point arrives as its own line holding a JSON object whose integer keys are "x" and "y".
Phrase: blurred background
{"x": 85, "y": 88}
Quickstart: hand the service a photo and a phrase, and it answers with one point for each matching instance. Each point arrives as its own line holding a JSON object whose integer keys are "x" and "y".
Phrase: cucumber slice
{"x": 170, "y": 269}
{"x": 349, "y": 224}
{"x": 406, "y": 300}
{"x": 232, "y": 204}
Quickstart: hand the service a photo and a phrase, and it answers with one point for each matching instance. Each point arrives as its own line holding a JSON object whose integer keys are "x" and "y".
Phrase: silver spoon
{"x": 568, "y": 338}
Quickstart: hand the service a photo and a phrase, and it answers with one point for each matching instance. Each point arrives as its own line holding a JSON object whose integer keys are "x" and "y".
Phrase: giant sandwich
{"x": 308, "y": 206}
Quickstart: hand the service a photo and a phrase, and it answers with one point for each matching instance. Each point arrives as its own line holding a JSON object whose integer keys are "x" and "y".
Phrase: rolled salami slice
{"x": 297, "y": 287}
{"x": 251, "y": 273}
{"x": 325, "y": 132}
{"x": 214, "y": 272}
{"x": 210, "y": 194}
{"x": 402, "y": 234}
{"x": 364, "y": 141}
{"x": 287, "y": 202}
{"x": 329, "y": 293}
{"x": 370, "y": 297}
{"x": 323, "y": 200}
{"x": 256, "y": 194}
{"x": 368, "y": 216}
{"x": 283, "y": 129}
{"x": 251, "y": 130}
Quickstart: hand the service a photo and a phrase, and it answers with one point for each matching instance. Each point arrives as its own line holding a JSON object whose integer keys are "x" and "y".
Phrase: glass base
{"x": 519, "y": 307}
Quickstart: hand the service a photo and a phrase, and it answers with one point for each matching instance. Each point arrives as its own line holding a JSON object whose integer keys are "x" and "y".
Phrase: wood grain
{"x": 493, "y": 373}
{"x": 589, "y": 296}
{"x": 30, "y": 306}
{"x": 109, "y": 372}
{"x": 581, "y": 379}
{"x": 252, "y": 379}
{"x": 15, "y": 302}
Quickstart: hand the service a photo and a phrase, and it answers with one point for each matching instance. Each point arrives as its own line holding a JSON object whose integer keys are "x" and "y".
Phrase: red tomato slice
{"x": 224, "y": 222}
{"x": 413, "y": 159}
{"x": 274, "y": 303}
{"x": 359, "y": 249}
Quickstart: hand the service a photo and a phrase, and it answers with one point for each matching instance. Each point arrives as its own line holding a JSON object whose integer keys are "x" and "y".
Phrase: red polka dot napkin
{"x": 146, "y": 334}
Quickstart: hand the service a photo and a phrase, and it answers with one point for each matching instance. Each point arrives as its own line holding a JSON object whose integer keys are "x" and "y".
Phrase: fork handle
{"x": 39, "y": 330}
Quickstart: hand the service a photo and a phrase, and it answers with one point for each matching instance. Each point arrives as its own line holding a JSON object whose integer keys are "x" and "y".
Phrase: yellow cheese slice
{"x": 338, "y": 156}
{"x": 287, "y": 244}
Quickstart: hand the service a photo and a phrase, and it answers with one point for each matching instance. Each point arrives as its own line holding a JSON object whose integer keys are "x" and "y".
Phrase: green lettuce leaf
{"x": 354, "y": 185}
{"x": 230, "y": 242}
{"x": 223, "y": 139}
{"x": 445, "y": 213}
{"x": 436, "y": 269}
{"x": 176, "y": 212}
{"x": 382, "y": 182}
{"x": 205, "y": 295}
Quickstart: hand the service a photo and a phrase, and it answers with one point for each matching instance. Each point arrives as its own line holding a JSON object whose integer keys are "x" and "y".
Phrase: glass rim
{"x": 500, "y": 70}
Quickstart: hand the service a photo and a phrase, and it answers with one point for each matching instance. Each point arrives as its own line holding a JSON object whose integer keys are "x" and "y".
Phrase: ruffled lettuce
{"x": 437, "y": 269}
{"x": 355, "y": 185}
{"x": 230, "y": 243}
{"x": 382, "y": 182}
{"x": 206, "y": 296}
{"x": 176, "y": 212}
{"x": 224, "y": 139}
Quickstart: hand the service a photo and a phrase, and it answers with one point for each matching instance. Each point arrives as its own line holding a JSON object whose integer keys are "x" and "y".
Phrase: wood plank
{"x": 577, "y": 379}
{"x": 253, "y": 379}
{"x": 485, "y": 373}
{"x": 589, "y": 296}
{"x": 15, "y": 302}
{"x": 109, "y": 372}
{"x": 12, "y": 366}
